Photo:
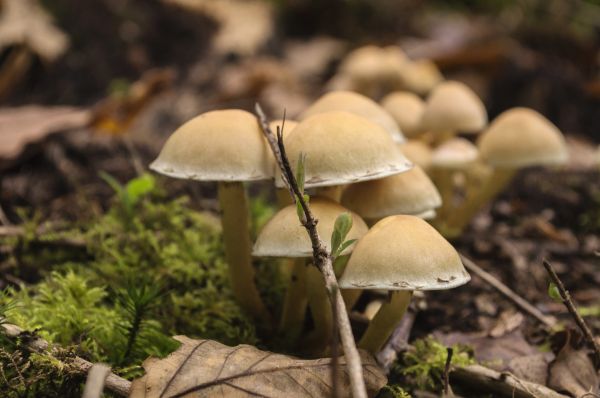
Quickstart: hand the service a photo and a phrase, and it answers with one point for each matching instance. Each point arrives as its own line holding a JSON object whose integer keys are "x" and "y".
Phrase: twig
{"x": 322, "y": 260}
{"x": 95, "y": 380}
{"x": 114, "y": 383}
{"x": 503, "y": 384}
{"x": 521, "y": 303}
{"x": 450, "y": 352}
{"x": 335, "y": 388}
{"x": 568, "y": 302}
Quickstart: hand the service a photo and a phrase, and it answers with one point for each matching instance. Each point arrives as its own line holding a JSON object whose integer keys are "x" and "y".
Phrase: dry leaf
{"x": 206, "y": 368}
{"x": 24, "y": 22}
{"x": 573, "y": 371}
{"x": 29, "y": 124}
{"x": 244, "y": 25}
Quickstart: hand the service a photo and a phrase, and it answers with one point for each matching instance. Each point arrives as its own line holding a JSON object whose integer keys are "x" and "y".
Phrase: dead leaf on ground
{"x": 203, "y": 368}
{"x": 24, "y": 22}
{"x": 573, "y": 371}
{"x": 26, "y": 125}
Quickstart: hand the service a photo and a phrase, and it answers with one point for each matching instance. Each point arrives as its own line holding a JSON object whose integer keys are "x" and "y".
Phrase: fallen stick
{"x": 568, "y": 302}
{"x": 500, "y": 383}
{"x": 521, "y": 303}
{"x": 114, "y": 383}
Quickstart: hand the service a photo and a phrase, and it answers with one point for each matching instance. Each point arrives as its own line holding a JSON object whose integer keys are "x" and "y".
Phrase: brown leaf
{"x": 206, "y": 368}
{"x": 573, "y": 371}
{"x": 29, "y": 124}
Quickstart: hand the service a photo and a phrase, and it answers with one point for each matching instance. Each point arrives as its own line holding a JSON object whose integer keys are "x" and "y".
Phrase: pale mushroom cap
{"x": 417, "y": 152}
{"x": 521, "y": 137}
{"x": 420, "y": 76}
{"x": 407, "y": 110}
{"x": 284, "y": 236}
{"x": 358, "y": 104}
{"x": 225, "y": 145}
{"x": 288, "y": 126}
{"x": 363, "y": 63}
{"x": 342, "y": 148}
{"x": 403, "y": 253}
{"x": 454, "y": 107}
{"x": 456, "y": 153}
{"x": 411, "y": 192}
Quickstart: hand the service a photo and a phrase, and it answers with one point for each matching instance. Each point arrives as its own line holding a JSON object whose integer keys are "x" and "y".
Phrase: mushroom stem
{"x": 296, "y": 300}
{"x": 494, "y": 184}
{"x": 333, "y": 192}
{"x": 445, "y": 185}
{"x": 318, "y": 300}
{"x": 350, "y": 297}
{"x": 382, "y": 326}
{"x": 236, "y": 239}
{"x": 283, "y": 197}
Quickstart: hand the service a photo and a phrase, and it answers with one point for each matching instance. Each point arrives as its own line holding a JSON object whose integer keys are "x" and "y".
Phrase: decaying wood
{"x": 322, "y": 260}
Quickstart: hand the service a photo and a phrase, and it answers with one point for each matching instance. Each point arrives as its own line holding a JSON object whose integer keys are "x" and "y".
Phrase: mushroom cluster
{"x": 353, "y": 170}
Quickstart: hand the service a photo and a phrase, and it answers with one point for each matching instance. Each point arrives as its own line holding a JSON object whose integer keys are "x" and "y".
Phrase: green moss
{"x": 393, "y": 391}
{"x": 423, "y": 366}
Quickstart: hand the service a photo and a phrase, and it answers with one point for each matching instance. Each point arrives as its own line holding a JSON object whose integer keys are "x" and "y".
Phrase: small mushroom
{"x": 284, "y": 237}
{"x": 452, "y": 107}
{"x": 225, "y": 146}
{"x": 517, "y": 138}
{"x": 407, "y": 110}
{"x": 417, "y": 152}
{"x": 400, "y": 254}
{"x": 420, "y": 76}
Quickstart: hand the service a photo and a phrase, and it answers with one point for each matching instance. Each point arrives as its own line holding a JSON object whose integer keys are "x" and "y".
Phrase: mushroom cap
{"x": 287, "y": 127}
{"x": 454, "y": 107}
{"x": 417, "y": 152}
{"x": 342, "y": 148}
{"x": 407, "y": 109}
{"x": 403, "y": 253}
{"x": 420, "y": 76}
{"x": 411, "y": 192}
{"x": 284, "y": 236}
{"x": 224, "y": 145}
{"x": 363, "y": 62}
{"x": 456, "y": 153}
{"x": 358, "y": 104}
{"x": 521, "y": 137}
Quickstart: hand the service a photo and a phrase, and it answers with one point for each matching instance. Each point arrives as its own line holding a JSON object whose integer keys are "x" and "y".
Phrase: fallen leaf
{"x": 24, "y": 22}
{"x": 532, "y": 368}
{"x": 573, "y": 371}
{"x": 206, "y": 368}
{"x": 26, "y": 125}
{"x": 507, "y": 322}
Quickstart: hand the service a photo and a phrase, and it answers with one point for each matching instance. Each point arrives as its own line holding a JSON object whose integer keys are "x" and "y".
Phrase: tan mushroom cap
{"x": 363, "y": 62}
{"x": 225, "y": 145}
{"x": 403, "y": 253}
{"x": 417, "y": 152}
{"x": 284, "y": 236}
{"x": 342, "y": 148}
{"x": 454, "y": 107}
{"x": 358, "y": 104}
{"x": 411, "y": 192}
{"x": 420, "y": 76}
{"x": 288, "y": 126}
{"x": 407, "y": 110}
{"x": 456, "y": 153}
{"x": 522, "y": 137}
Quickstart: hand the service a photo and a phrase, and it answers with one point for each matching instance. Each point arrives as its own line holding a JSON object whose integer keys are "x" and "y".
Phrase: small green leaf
{"x": 344, "y": 246}
{"x": 112, "y": 181}
{"x": 343, "y": 224}
{"x": 336, "y": 241}
{"x": 299, "y": 209}
{"x": 300, "y": 172}
{"x": 140, "y": 186}
{"x": 554, "y": 293}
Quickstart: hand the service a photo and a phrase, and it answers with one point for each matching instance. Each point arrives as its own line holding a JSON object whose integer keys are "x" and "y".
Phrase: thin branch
{"x": 568, "y": 302}
{"x": 114, "y": 383}
{"x": 521, "y": 303}
{"x": 450, "y": 352}
{"x": 322, "y": 260}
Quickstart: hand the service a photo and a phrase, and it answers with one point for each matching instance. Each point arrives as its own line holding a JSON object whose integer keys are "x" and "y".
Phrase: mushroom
{"x": 283, "y": 194}
{"x": 400, "y": 254}
{"x": 407, "y": 110}
{"x": 517, "y": 138}
{"x": 417, "y": 152}
{"x": 357, "y": 104}
{"x": 420, "y": 76}
{"x": 453, "y": 107}
{"x": 342, "y": 148}
{"x": 283, "y": 236}
{"x": 225, "y": 146}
